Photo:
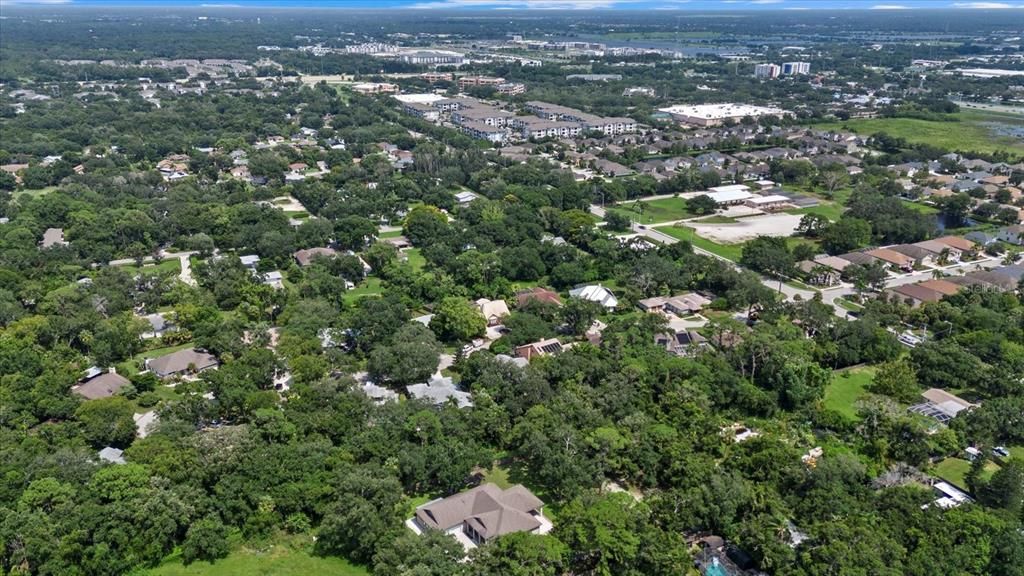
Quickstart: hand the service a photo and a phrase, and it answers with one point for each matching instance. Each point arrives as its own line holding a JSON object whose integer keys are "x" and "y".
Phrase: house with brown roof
{"x": 893, "y": 258}
{"x": 941, "y": 253}
{"x": 479, "y": 515}
{"x": 537, "y": 294}
{"x": 915, "y": 294}
{"x": 921, "y": 256}
{"x": 817, "y": 273}
{"x": 964, "y": 245}
{"x": 680, "y": 305}
{"x": 540, "y": 348}
{"x": 181, "y": 362}
{"x": 941, "y": 405}
{"x": 101, "y": 386}
{"x": 305, "y": 257}
{"x": 944, "y": 287}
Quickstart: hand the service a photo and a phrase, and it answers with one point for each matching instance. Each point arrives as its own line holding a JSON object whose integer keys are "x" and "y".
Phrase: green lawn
{"x": 499, "y": 476}
{"x": 391, "y": 234}
{"x": 278, "y": 560}
{"x": 954, "y": 470}
{"x": 727, "y": 251}
{"x": 37, "y": 193}
{"x": 847, "y": 387}
{"x": 922, "y": 208}
{"x": 847, "y": 305}
{"x": 368, "y": 287}
{"x": 831, "y": 210}
{"x": 662, "y": 210}
{"x": 172, "y": 265}
{"x": 717, "y": 219}
{"x": 969, "y": 133}
{"x": 1016, "y": 452}
{"x": 415, "y": 259}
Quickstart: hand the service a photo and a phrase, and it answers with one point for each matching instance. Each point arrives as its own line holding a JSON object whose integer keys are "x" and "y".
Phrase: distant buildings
{"x": 375, "y": 88}
{"x": 795, "y": 68}
{"x": 768, "y": 71}
{"x": 432, "y": 57}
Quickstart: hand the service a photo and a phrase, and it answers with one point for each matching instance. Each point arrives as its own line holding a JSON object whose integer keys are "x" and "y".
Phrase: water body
{"x": 941, "y": 223}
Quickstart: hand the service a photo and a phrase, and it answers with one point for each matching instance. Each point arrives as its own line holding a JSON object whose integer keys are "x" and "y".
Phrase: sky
{"x": 683, "y": 5}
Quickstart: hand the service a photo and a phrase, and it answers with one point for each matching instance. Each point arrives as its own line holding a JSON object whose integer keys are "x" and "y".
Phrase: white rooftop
{"x": 721, "y": 111}
{"x": 419, "y": 98}
{"x": 770, "y": 199}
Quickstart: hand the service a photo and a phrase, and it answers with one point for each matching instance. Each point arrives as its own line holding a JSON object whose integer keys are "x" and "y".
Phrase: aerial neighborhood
{"x": 493, "y": 288}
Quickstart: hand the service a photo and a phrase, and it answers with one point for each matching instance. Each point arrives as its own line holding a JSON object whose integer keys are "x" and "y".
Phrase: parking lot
{"x": 748, "y": 228}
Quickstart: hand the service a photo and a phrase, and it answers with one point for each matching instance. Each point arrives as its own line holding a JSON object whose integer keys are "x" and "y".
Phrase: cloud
{"x": 984, "y": 5}
{"x": 890, "y": 7}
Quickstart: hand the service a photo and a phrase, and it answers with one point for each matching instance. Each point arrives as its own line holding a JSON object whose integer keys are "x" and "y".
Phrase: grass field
{"x": 847, "y": 387}
{"x": 831, "y": 210}
{"x": 968, "y": 134}
{"x": 954, "y": 470}
{"x": 172, "y": 265}
{"x": 368, "y": 287}
{"x": 662, "y": 210}
{"x": 37, "y": 193}
{"x": 922, "y": 208}
{"x": 278, "y": 560}
{"x": 415, "y": 259}
{"x": 727, "y": 251}
{"x": 391, "y": 234}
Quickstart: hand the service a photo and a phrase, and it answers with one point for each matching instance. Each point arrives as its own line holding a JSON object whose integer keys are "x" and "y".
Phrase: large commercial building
{"x": 794, "y": 68}
{"x": 767, "y": 71}
{"x": 716, "y": 114}
{"x": 432, "y": 57}
{"x": 608, "y": 125}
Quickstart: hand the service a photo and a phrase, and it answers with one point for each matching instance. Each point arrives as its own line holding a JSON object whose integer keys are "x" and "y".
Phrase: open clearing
{"x": 278, "y": 560}
{"x": 660, "y": 210}
{"x": 748, "y": 228}
{"x": 954, "y": 471}
{"x": 975, "y": 131}
{"x": 846, "y": 389}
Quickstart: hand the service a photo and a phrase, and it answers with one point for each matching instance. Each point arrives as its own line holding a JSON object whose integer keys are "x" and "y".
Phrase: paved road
{"x": 828, "y": 295}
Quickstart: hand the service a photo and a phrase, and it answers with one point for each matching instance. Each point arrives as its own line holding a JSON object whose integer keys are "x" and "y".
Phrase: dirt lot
{"x": 748, "y": 228}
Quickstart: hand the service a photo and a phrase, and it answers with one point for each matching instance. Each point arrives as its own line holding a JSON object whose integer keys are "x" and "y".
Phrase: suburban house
{"x": 539, "y": 348}
{"x": 941, "y": 253}
{"x": 158, "y": 326}
{"x": 305, "y": 257}
{"x": 941, "y": 405}
{"x": 859, "y": 258}
{"x": 53, "y": 237}
{"x": 915, "y": 294}
{"x": 481, "y": 514}
{"x": 834, "y": 262}
{"x": 965, "y": 246}
{"x": 181, "y": 362}
{"x": 818, "y": 274}
{"x": 681, "y": 342}
{"x": 537, "y": 294}
{"x": 921, "y": 256}
{"x": 595, "y": 293}
{"x": 439, "y": 390}
{"x": 97, "y": 385}
{"x": 895, "y": 259}
{"x": 680, "y": 305}
{"x": 494, "y": 311}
